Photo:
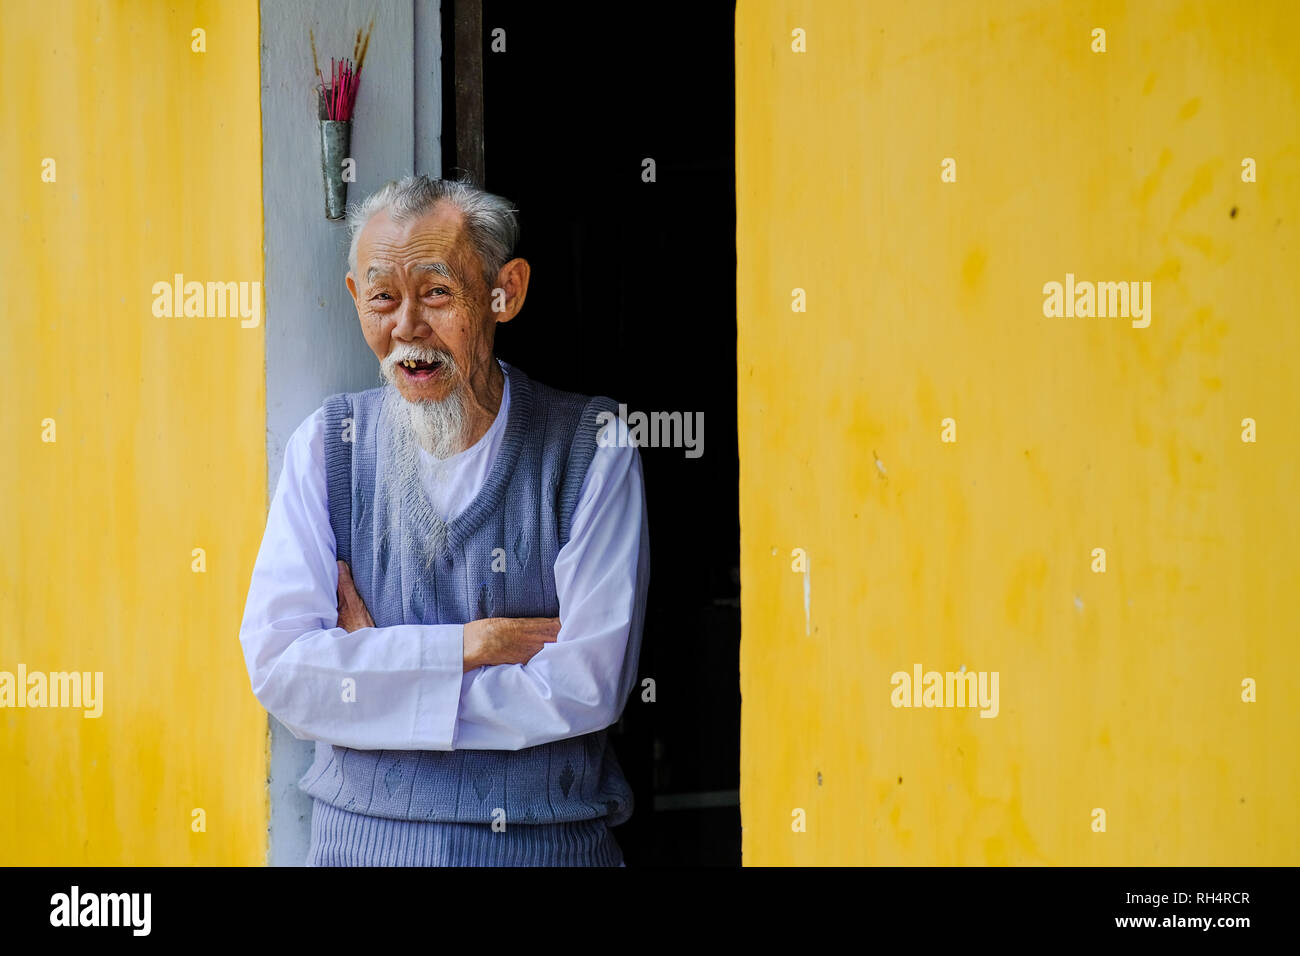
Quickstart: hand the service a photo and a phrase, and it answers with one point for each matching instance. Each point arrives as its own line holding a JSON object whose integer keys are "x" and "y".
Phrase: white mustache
{"x": 415, "y": 352}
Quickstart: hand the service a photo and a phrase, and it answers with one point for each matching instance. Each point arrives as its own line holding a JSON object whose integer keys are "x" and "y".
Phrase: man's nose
{"x": 411, "y": 325}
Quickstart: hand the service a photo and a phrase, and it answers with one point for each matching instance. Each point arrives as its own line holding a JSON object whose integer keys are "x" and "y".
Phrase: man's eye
{"x": 379, "y": 295}
{"x": 437, "y": 289}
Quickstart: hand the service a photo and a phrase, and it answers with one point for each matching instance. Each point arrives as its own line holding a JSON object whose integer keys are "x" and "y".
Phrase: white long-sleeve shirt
{"x": 412, "y": 692}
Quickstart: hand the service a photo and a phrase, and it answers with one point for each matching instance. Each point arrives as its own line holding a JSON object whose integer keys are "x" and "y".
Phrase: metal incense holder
{"x": 335, "y": 145}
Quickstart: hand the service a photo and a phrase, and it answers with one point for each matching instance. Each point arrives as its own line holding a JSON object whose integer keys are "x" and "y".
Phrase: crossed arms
{"x": 318, "y": 664}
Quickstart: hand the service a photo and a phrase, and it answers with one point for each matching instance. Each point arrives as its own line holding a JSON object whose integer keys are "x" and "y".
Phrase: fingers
{"x": 348, "y": 593}
{"x": 527, "y": 656}
{"x": 541, "y": 633}
{"x": 530, "y": 645}
{"x": 530, "y": 636}
{"x": 353, "y": 614}
{"x": 346, "y": 587}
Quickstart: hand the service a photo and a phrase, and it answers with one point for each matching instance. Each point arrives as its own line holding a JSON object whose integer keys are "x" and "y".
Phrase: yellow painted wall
{"x": 1120, "y": 690}
{"x": 160, "y": 431}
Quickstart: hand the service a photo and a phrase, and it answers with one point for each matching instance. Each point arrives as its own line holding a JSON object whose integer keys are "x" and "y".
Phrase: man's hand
{"x": 507, "y": 640}
{"x": 353, "y": 615}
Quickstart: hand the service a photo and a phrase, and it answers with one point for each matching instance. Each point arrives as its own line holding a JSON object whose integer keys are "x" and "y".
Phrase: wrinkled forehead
{"x": 388, "y": 245}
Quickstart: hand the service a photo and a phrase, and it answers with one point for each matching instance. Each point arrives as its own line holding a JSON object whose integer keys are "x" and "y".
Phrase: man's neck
{"x": 483, "y": 401}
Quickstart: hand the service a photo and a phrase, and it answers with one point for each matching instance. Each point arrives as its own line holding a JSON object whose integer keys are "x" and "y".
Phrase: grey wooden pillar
{"x": 314, "y": 345}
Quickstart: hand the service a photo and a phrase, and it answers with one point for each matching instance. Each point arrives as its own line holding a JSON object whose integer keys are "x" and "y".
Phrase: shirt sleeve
{"x": 377, "y": 688}
{"x": 580, "y": 682}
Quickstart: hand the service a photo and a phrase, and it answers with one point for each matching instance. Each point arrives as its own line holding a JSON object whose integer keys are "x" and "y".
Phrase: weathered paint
{"x": 1119, "y": 690}
{"x": 161, "y": 444}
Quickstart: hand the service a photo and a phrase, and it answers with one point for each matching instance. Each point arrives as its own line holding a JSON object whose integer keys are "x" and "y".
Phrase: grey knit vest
{"x": 525, "y": 508}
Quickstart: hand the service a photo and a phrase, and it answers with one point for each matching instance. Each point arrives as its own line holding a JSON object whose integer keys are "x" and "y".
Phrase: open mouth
{"x": 419, "y": 370}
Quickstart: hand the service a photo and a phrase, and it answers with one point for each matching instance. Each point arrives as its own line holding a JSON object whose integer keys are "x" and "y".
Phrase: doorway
{"x": 633, "y": 295}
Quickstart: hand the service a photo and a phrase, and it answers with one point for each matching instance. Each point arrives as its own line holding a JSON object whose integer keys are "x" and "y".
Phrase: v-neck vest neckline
{"x": 492, "y": 494}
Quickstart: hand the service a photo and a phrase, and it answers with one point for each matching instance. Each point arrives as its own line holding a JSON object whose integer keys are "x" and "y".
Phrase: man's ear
{"x": 352, "y": 287}
{"x": 513, "y": 280}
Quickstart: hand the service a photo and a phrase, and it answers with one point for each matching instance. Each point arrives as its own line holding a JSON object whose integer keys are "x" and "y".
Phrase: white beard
{"x": 438, "y": 428}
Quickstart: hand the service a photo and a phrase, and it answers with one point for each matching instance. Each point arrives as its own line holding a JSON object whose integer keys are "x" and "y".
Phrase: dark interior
{"x": 633, "y": 296}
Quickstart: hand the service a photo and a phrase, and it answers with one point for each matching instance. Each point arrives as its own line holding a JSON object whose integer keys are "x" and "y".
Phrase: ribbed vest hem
{"x": 342, "y": 838}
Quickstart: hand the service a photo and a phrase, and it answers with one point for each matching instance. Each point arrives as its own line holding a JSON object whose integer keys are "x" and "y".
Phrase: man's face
{"x": 419, "y": 287}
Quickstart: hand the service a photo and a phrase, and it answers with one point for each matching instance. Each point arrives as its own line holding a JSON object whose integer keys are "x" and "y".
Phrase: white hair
{"x": 491, "y": 222}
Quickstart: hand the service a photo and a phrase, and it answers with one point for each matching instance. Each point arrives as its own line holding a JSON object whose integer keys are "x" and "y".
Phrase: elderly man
{"x": 450, "y": 591}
